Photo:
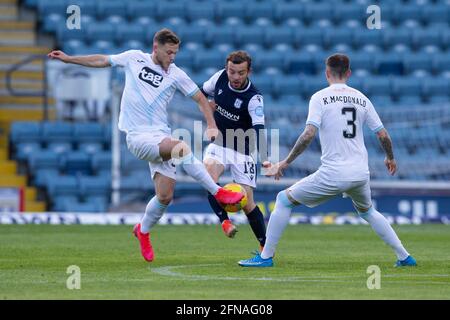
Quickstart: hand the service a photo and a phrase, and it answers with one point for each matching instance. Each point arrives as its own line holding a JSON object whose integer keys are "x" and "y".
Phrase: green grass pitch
{"x": 199, "y": 262}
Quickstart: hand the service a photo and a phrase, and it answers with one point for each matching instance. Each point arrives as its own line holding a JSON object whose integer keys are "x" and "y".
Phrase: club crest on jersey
{"x": 220, "y": 92}
{"x": 237, "y": 103}
{"x": 151, "y": 77}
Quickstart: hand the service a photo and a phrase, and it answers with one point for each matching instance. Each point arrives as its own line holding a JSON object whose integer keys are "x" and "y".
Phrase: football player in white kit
{"x": 151, "y": 82}
{"x": 339, "y": 112}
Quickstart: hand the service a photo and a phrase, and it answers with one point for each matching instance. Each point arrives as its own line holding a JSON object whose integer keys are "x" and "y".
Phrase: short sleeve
{"x": 314, "y": 113}
{"x": 256, "y": 109}
{"x": 121, "y": 59}
{"x": 185, "y": 84}
{"x": 210, "y": 85}
{"x": 372, "y": 119}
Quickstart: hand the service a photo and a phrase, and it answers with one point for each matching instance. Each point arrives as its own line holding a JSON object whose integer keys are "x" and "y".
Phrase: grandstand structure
{"x": 404, "y": 68}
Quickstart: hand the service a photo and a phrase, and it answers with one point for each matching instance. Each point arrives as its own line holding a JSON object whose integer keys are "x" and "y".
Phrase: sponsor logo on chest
{"x": 151, "y": 77}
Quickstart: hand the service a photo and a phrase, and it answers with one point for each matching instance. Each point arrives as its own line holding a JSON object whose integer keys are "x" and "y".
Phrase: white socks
{"x": 278, "y": 221}
{"x": 153, "y": 212}
{"x": 382, "y": 227}
{"x": 197, "y": 170}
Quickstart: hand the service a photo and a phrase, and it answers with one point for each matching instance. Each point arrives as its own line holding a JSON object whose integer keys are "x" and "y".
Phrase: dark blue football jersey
{"x": 235, "y": 109}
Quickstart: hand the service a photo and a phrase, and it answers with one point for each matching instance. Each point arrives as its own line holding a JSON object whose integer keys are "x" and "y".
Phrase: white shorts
{"x": 242, "y": 167}
{"x": 315, "y": 189}
{"x": 145, "y": 146}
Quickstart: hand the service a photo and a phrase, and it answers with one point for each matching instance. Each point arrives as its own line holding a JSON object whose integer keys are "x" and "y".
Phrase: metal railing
{"x": 43, "y": 93}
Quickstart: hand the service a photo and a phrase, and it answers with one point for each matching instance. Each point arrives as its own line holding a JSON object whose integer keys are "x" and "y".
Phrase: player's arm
{"x": 256, "y": 112}
{"x": 208, "y": 112}
{"x": 386, "y": 144}
{"x": 94, "y": 61}
{"x": 302, "y": 143}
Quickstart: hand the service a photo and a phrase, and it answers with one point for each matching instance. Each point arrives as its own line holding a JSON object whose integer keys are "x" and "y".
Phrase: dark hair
{"x": 338, "y": 64}
{"x": 164, "y": 36}
{"x": 238, "y": 57}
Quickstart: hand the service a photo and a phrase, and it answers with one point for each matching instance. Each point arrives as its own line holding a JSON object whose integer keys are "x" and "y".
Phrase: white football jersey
{"x": 339, "y": 112}
{"x": 148, "y": 91}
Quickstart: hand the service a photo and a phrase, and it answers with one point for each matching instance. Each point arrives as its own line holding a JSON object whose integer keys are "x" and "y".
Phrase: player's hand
{"x": 265, "y": 166}
{"x": 58, "y": 55}
{"x": 212, "y": 133}
{"x": 391, "y": 165}
{"x": 276, "y": 170}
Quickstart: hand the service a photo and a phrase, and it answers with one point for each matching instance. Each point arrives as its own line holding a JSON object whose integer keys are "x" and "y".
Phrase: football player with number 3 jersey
{"x": 339, "y": 113}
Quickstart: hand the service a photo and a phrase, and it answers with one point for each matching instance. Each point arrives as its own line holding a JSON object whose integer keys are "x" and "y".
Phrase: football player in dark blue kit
{"x": 239, "y": 115}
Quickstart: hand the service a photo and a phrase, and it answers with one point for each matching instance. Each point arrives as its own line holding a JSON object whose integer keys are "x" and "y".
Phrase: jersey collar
{"x": 240, "y": 91}
{"x": 338, "y": 85}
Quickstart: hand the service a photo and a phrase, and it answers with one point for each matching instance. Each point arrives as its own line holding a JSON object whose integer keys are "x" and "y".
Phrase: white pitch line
{"x": 169, "y": 271}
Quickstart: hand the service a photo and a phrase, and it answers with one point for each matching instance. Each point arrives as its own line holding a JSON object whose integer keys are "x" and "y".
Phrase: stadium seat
{"x": 406, "y": 86}
{"x": 441, "y": 62}
{"x": 111, "y": 8}
{"x": 23, "y": 150}
{"x": 304, "y": 37}
{"x": 417, "y": 61}
{"x": 336, "y": 36}
{"x": 263, "y": 83}
{"x": 279, "y": 35}
{"x": 377, "y": 86}
{"x": 166, "y": 10}
{"x": 404, "y": 12}
{"x": 285, "y": 11}
{"x": 64, "y": 34}
{"x": 299, "y": 63}
{"x": 389, "y": 64}
{"x": 313, "y": 84}
{"x": 64, "y": 203}
{"x": 226, "y": 10}
{"x": 94, "y": 186}
{"x": 129, "y": 32}
{"x": 76, "y": 162}
{"x": 436, "y": 13}
{"x": 362, "y": 61}
{"x": 101, "y": 161}
{"x": 255, "y": 9}
{"x": 362, "y": 37}
{"x": 317, "y": 11}
{"x": 287, "y": 85}
{"x": 46, "y": 7}
{"x": 193, "y": 33}
{"x": 87, "y": 7}
{"x": 225, "y": 34}
{"x": 426, "y": 37}
{"x": 204, "y": 10}
{"x": 25, "y": 131}
{"x": 56, "y": 131}
{"x": 136, "y": 9}
{"x": 101, "y": 31}
{"x": 393, "y": 37}
{"x": 265, "y": 59}
{"x": 59, "y": 147}
{"x": 250, "y": 35}
{"x": 43, "y": 159}
{"x": 209, "y": 59}
{"x": 88, "y": 132}
{"x": 349, "y": 11}
{"x": 52, "y": 22}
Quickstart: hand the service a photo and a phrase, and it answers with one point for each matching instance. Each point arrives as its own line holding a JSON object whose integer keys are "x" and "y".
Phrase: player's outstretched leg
{"x": 382, "y": 227}
{"x": 175, "y": 149}
{"x": 278, "y": 221}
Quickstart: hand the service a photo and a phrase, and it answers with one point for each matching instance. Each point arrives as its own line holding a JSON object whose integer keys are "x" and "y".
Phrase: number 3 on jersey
{"x": 350, "y": 122}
